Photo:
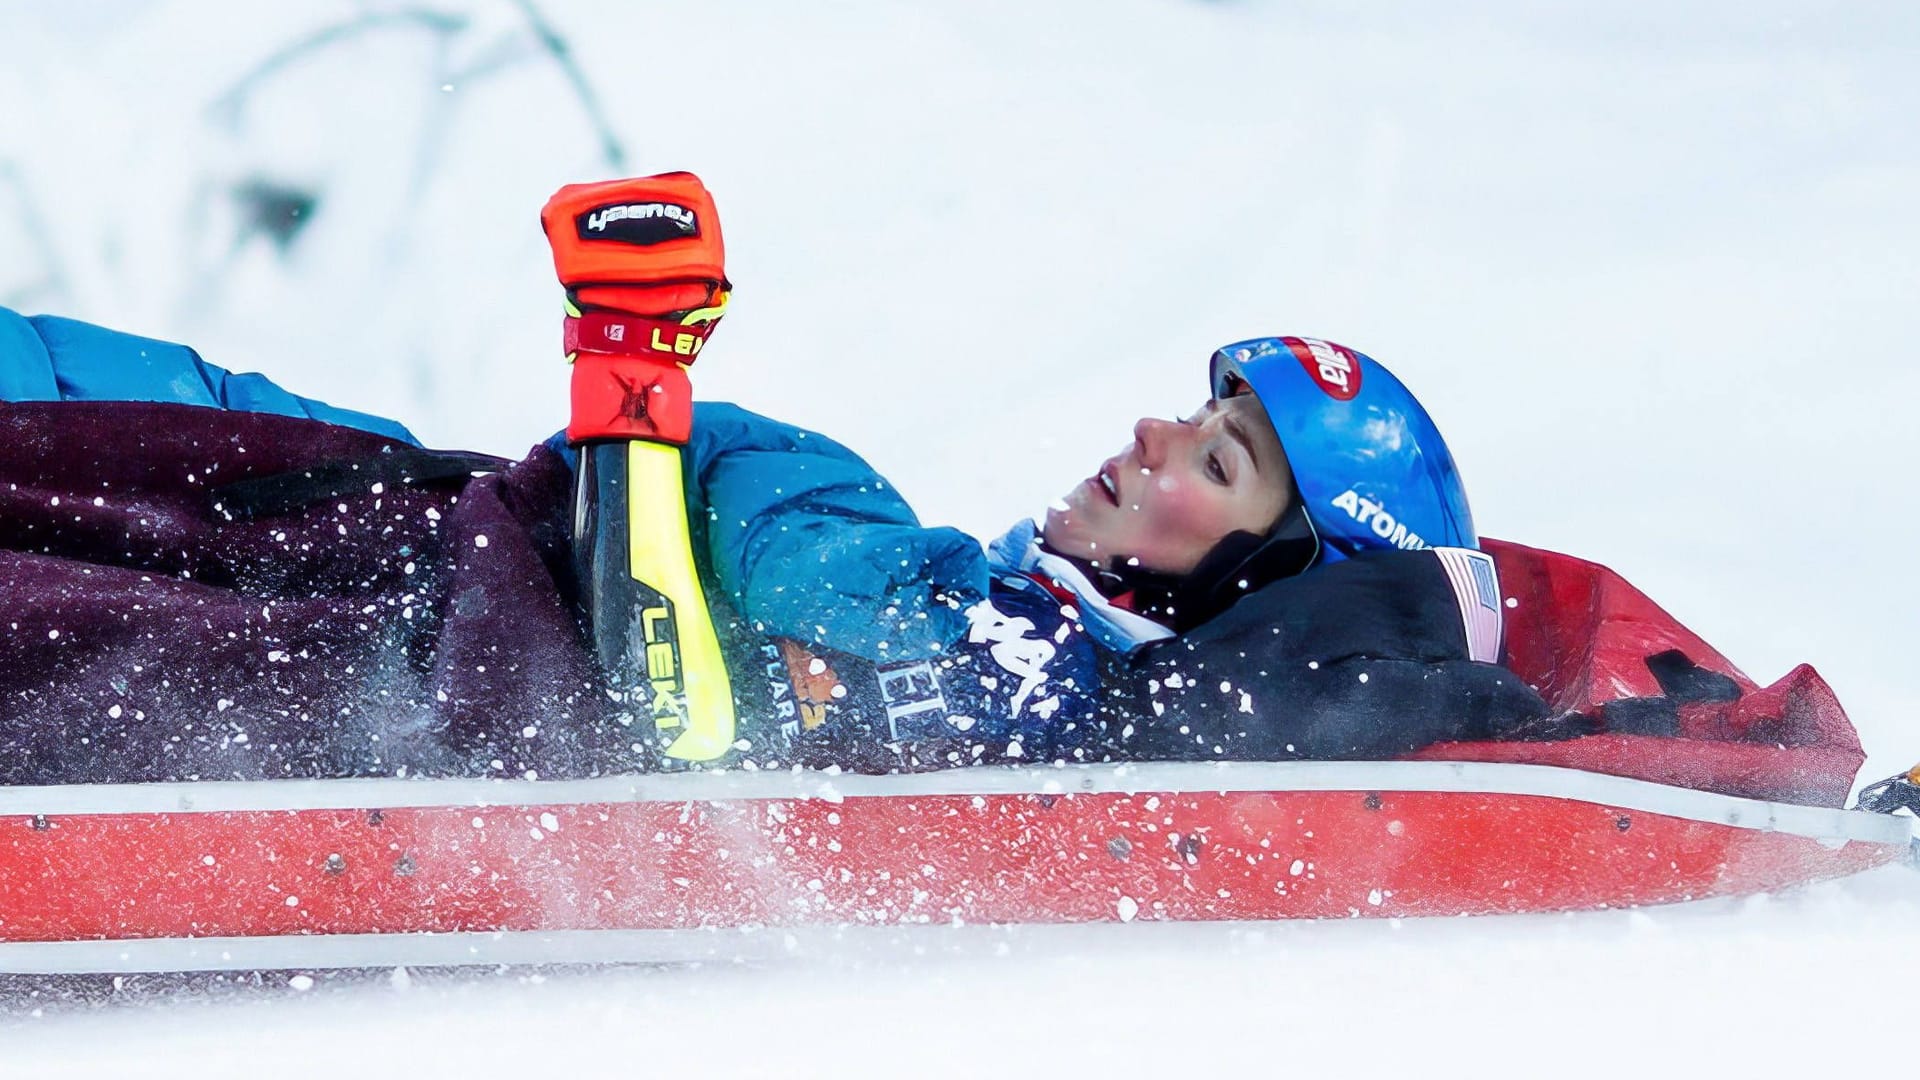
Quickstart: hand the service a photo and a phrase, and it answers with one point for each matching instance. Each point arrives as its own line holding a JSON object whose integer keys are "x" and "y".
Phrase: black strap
{"x": 281, "y": 493}
{"x": 1641, "y": 716}
{"x": 1896, "y": 792}
{"x": 1682, "y": 682}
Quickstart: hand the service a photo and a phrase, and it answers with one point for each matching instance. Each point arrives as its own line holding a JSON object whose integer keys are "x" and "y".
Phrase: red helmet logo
{"x": 1335, "y": 367}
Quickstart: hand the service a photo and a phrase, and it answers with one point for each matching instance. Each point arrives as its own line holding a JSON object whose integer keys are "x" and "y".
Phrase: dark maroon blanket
{"x": 411, "y": 629}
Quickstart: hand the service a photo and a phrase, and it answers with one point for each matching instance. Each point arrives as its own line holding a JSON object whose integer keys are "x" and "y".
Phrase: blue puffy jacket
{"x": 809, "y": 542}
{"x": 46, "y": 358}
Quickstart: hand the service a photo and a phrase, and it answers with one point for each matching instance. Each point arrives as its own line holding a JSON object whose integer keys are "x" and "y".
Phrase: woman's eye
{"x": 1215, "y": 469}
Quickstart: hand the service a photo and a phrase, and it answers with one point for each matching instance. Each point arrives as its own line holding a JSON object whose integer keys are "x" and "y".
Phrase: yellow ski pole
{"x": 644, "y": 269}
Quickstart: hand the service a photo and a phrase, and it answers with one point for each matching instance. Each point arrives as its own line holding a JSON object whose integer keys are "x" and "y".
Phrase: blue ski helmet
{"x": 1372, "y": 470}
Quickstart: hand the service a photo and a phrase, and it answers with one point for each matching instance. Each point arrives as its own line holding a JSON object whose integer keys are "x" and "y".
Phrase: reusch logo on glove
{"x": 1334, "y": 367}
{"x": 637, "y": 223}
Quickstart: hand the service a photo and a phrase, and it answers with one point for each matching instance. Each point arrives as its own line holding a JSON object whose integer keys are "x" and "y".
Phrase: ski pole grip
{"x": 644, "y": 267}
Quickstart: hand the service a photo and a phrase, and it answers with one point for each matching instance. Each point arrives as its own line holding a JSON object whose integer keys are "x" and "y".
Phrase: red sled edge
{"x": 669, "y": 868}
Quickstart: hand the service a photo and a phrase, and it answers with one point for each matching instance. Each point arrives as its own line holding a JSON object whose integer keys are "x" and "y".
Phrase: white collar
{"x": 1120, "y": 630}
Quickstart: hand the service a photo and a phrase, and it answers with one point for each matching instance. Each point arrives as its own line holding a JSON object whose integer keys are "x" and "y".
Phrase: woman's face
{"x": 1177, "y": 490}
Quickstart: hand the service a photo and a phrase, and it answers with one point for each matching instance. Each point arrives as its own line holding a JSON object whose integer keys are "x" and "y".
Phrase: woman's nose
{"x": 1152, "y": 434}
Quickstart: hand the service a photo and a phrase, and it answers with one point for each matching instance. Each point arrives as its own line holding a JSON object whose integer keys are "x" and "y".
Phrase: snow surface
{"x": 1652, "y": 269}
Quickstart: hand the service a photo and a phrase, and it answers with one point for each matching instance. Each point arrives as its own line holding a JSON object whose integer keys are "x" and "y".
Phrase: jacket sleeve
{"x": 44, "y": 358}
{"x": 809, "y": 542}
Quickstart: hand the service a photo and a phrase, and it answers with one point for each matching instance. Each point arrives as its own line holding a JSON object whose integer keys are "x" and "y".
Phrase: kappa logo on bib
{"x": 1335, "y": 367}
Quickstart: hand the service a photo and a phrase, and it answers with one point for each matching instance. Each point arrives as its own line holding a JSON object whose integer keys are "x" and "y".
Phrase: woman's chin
{"x": 1062, "y": 534}
{"x": 1061, "y": 527}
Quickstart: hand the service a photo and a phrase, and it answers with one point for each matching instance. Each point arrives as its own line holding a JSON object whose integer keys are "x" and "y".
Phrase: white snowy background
{"x": 1652, "y": 267}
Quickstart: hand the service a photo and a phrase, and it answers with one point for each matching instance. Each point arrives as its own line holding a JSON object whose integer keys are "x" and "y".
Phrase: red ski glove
{"x": 645, "y": 273}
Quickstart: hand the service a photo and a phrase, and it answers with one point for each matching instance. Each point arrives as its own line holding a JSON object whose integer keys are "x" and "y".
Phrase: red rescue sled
{"x": 352, "y": 873}
{"x": 1741, "y": 796}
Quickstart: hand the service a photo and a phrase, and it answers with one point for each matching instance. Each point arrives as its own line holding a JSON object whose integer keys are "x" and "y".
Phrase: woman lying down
{"x": 1289, "y": 571}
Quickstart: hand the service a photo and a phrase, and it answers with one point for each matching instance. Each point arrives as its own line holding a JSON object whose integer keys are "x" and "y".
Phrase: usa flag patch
{"x": 1476, "y": 591}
